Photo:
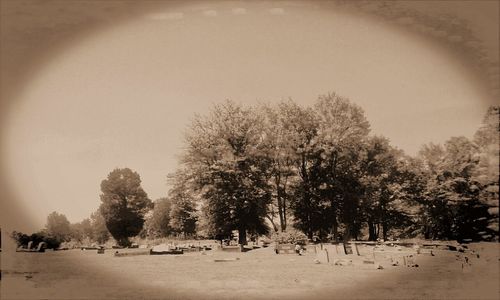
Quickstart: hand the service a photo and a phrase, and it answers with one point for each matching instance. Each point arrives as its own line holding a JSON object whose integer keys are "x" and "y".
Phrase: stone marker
{"x": 41, "y": 247}
{"x": 161, "y": 248}
{"x": 30, "y": 244}
{"x": 322, "y": 256}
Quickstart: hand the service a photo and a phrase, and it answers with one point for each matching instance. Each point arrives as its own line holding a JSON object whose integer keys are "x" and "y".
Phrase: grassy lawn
{"x": 257, "y": 274}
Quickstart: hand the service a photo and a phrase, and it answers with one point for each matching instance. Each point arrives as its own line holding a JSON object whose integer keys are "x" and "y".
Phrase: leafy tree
{"x": 100, "y": 232}
{"x": 82, "y": 230}
{"x": 301, "y": 127}
{"x": 328, "y": 139}
{"x": 124, "y": 204}
{"x": 183, "y": 213}
{"x": 58, "y": 227}
{"x": 158, "y": 220}
{"x": 386, "y": 180}
{"x": 486, "y": 173}
{"x": 279, "y": 149}
{"x": 225, "y": 159}
{"x": 453, "y": 206}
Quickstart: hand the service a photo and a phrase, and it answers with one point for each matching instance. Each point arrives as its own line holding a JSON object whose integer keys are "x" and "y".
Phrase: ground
{"x": 258, "y": 274}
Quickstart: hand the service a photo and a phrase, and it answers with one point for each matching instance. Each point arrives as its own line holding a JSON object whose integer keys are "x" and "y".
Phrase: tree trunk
{"x": 372, "y": 234}
{"x": 335, "y": 229}
{"x": 272, "y": 223}
{"x": 384, "y": 230}
{"x": 283, "y": 226}
{"x": 242, "y": 236}
{"x": 347, "y": 233}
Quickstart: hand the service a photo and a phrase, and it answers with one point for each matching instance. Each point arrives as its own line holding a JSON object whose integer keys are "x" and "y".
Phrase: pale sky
{"x": 122, "y": 96}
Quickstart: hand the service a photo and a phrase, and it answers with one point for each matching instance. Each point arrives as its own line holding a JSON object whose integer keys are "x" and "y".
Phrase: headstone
{"x": 348, "y": 248}
{"x": 340, "y": 249}
{"x": 30, "y": 244}
{"x": 41, "y": 247}
{"x": 322, "y": 256}
{"x": 161, "y": 248}
{"x": 356, "y": 248}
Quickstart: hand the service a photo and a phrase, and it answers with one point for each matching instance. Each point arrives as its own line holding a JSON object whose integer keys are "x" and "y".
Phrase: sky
{"x": 123, "y": 95}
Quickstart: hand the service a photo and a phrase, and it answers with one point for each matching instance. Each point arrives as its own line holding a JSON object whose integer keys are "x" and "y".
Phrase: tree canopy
{"x": 123, "y": 204}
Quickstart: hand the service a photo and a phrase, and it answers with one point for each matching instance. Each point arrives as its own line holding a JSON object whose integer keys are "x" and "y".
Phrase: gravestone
{"x": 41, "y": 247}
{"x": 30, "y": 244}
{"x": 348, "y": 248}
{"x": 322, "y": 256}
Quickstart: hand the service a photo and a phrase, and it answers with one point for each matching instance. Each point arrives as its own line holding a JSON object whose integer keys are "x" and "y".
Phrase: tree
{"x": 58, "y": 227}
{"x": 225, "y": 159}
{"x": 386, "y": 181}
{"x": 183, "y": 214}
{"x": 82, "y": 230}
{"x": 124, "y": 204}
{"x": 327, "y": 143}
{"x": 100, "y": 232}
{"x": 278, "y": 141}
{"x": 486, "y": 173}
{"x": 452, "y": 195}
{"x": 157, "y": 223}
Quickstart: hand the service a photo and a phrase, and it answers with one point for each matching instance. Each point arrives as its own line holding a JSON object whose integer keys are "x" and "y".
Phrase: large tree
{"x": 452, "y": 203}
{"x": 328, "y": 142}
{"x": 225, "y": 158}
{"x": 279, "y": 148}
{"x": 387, "y": 181}
{"x": 124, "y": 204}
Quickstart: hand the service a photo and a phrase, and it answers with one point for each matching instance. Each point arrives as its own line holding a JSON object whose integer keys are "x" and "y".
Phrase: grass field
{"x": 258, "y": 274}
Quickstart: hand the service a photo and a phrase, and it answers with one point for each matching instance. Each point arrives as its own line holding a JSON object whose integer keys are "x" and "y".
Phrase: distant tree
{"x": 82, "y": 230}
{"x": 124, "y": 204}
{"x": 157, "y": 223}
{"x": 183, "y": 212}
{"x": 487, "y": 172}
{"x": 58, "y": 227}
{"x": 100, "y": 233}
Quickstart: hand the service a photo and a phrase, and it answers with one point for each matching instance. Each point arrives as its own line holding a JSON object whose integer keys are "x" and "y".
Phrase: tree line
{"x": 317, "y": 169}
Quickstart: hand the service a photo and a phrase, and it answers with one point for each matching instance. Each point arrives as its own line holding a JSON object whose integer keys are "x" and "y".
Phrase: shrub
{"x": 290, "y": 237}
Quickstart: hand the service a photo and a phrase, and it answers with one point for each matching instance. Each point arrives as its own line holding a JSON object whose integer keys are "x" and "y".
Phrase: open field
{"x": 258, "y": 274}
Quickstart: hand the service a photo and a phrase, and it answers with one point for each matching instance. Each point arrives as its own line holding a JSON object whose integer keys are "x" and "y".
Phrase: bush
{"x": 22, "y": 239}
{"x": 290, "y": 237}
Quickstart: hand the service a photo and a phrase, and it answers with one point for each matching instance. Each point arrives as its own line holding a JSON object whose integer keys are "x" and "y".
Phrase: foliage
{"x": 183, "y": 214}
{"x": 123, "y": 204}
{"x": 58, "y": 227}
{"x": 225, "y": 159}
{"x": 100, "y": 233}
{"x": 157, "y": 224}
{"x": 22, "y": 239}
{"x": 290, "y": 237}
